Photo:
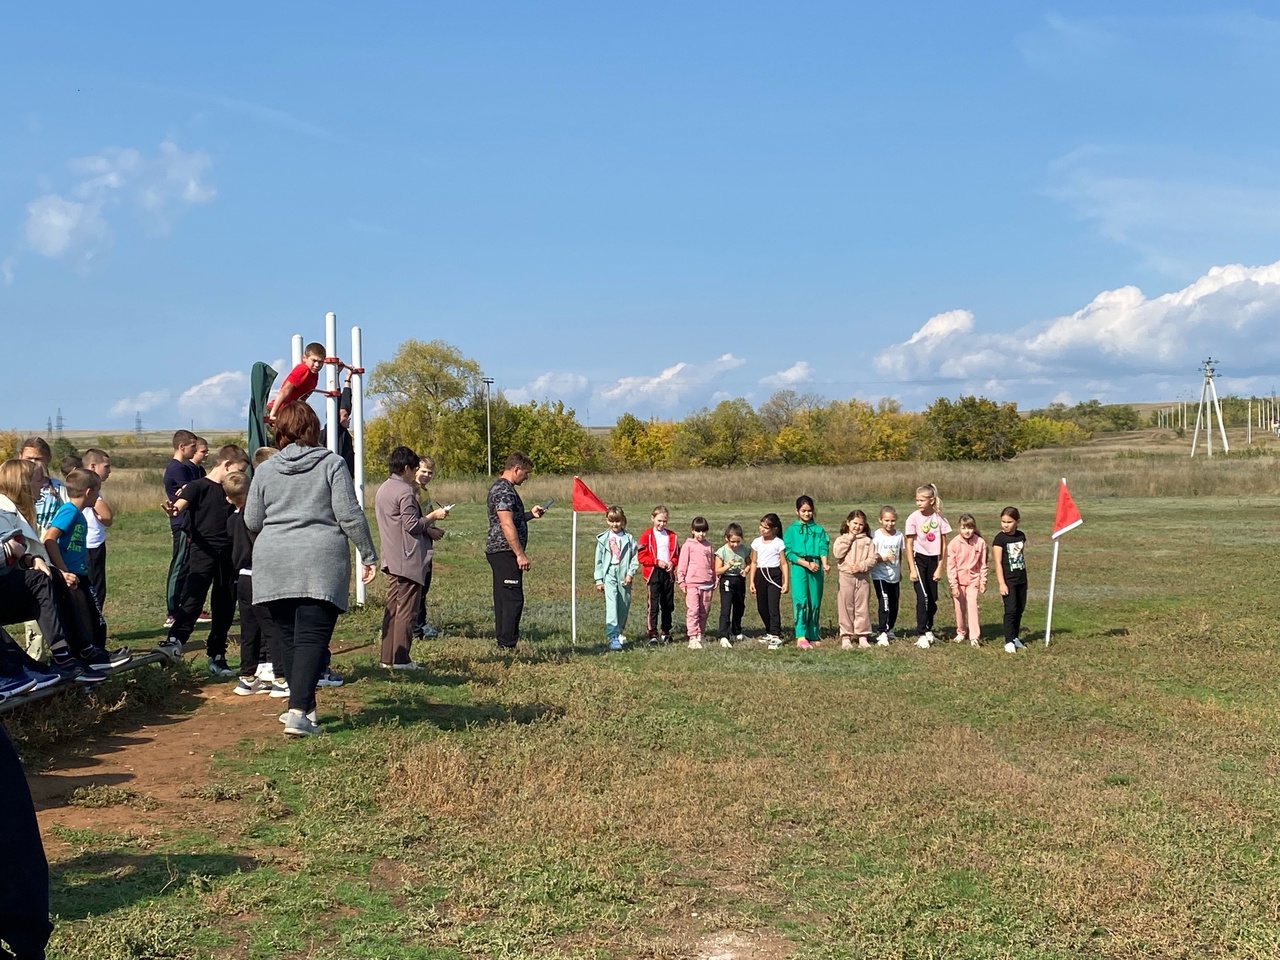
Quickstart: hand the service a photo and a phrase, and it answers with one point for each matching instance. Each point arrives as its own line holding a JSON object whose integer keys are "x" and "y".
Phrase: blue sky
{"x": 643, "y": 209}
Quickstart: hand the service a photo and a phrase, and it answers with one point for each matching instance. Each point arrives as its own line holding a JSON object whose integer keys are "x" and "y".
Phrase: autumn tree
{"x": 971, "y": 428}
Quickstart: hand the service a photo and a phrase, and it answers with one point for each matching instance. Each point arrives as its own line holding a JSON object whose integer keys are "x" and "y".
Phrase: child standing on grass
{"x": 967, "y": 574}
{"x": 731, "y": 568}
{"x": 886, "y": 575}
{"x": 1008, "y": 550}
{"x": 616, "y": 565}
{"x": 807, "y": 545}
{"x": 259, "y": 643}
{"x": 658, "y": 554}
{"x": 926, "y": 537}
{"x": 856, "y": 555}
{"x": 208, "y": 561}
{"x": 768, "y": 575}
{"x": 696, "y": 576}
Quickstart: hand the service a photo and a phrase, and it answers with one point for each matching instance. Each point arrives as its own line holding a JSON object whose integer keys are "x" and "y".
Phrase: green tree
{"x": 419, "y": 387}
{"x": 635, "y": 444}
{"x": 972, "y": 428}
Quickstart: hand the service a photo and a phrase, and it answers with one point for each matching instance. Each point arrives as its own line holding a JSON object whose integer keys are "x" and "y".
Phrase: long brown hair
{"x": 15, "y": 483}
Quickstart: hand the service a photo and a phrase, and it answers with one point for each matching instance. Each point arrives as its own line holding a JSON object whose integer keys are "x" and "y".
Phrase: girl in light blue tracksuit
{"x": 616, "y": 564}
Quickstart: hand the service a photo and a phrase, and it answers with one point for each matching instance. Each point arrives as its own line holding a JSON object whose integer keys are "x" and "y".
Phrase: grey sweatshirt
{"x": 303, "y": 507}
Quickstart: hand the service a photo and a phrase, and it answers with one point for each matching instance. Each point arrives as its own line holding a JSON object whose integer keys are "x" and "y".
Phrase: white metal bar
{"x": 356, "y": 426}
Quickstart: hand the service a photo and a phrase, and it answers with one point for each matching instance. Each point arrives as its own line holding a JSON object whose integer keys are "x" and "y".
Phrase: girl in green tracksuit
{"x": 807, "y": 548}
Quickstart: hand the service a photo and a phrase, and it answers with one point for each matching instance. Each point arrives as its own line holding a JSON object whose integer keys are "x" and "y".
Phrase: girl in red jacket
{"x": 658, "y": 555}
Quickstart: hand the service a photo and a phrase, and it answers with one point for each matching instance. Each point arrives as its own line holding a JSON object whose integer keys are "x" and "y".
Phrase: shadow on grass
{"x": 450, "y": 716}
{"x": 100, "y": 882}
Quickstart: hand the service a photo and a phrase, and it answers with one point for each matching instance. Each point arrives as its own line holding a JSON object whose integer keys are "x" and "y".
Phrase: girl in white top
{"x": 768, "y": 576}
{"x": 926, "y": 534}
{"x": 886, "y": 575}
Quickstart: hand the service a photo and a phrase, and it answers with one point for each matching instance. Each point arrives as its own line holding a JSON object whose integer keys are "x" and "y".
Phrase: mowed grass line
{"x": 1110, "y": 796}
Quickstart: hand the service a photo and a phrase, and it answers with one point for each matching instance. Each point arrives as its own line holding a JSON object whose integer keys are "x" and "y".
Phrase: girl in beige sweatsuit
{"x": 855, "y": 555}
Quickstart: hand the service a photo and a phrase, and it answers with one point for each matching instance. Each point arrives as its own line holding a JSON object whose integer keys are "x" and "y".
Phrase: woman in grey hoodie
{"x": 303, "y": 507}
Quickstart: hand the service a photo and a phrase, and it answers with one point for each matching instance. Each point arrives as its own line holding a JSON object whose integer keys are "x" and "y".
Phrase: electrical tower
{"x": 137, "y": 425}
{"x": 1208, "y": 407}
{"x": 58, "y": 424}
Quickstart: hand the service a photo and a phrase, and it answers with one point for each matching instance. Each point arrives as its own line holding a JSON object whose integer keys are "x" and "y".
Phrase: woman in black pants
{"x": 303, "y": 507}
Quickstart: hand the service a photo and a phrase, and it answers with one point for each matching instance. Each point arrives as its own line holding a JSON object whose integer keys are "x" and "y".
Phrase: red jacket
{"x": 648, "y": 553}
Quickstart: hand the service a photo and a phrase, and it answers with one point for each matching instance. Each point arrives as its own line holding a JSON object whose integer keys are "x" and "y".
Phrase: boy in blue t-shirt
{"x": 65, "y": 541}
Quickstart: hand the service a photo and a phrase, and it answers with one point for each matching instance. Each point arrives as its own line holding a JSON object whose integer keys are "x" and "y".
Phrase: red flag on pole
{"x": 1067, "y": 516}
{"x": 584, "y": 501}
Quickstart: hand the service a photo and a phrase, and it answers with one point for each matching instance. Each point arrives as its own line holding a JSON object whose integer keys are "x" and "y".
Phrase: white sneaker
{"x": 300, "y": 724}
{"x": 284, "y": 717}
{"x": 279, "y": 688}
{"x": 882, "y": 640}
{"x": 265, "y": 672}
{"x": 1010, "y": 648}
{"x": 695, "y": 643}
{"x": 775, "y": 643}
{"x": 923, "y": 642}
{"x": 740, "y": 637}
{"x": 928, "y": 635}
{"x": 621, "y": 638}
{"x": 408, "y": 665}
{"x": 726, "y": 643}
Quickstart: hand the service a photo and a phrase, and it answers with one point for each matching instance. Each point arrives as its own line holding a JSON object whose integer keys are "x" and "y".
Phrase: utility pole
{"x": 488, "y": 423}
{"x": 59, "y": 423}
{"x": 137, "y": 425}
{"x": 1208, "y": 406}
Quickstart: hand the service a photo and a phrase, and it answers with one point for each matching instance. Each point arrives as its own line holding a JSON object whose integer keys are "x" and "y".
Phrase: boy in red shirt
{"x": 300, "y": 382}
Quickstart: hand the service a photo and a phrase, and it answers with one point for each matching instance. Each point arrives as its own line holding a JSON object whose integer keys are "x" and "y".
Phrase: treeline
{"x": 435, "y": 400}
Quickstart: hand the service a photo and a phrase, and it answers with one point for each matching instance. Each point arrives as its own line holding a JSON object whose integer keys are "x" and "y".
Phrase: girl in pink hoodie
{"x": 967, "y": 574}
{"x": 696, "y": 576}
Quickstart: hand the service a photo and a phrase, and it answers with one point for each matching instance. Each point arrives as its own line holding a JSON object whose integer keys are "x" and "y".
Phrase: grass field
{"x": 1114, "y": 795}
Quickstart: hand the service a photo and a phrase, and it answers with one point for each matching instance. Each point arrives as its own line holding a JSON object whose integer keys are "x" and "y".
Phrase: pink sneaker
{"x": 804, "y": 644}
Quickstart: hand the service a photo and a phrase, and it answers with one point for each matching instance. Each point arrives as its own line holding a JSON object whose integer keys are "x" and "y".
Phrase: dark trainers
{"x": 14, "y": 686}
{"x": 43, "y": 678}
{"x": 171, "y": 647}
{"x": 218, "y": 667}
{"x": 72, "y": 669}
{"x": 329, "y": 679}
{"x": 101, "y": 659}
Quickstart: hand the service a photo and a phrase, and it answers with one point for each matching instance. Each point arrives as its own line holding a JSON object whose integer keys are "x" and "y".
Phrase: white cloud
{"x": 799, "y": 372}
{"x": 6, "y": 270}
{"x": 146, "y": 400}
{"x": 159, "y": 188}
{"x": 549, "y": 386}
{"x": 673, "y": 386}
{"x": 59, "y": 228}
{"x": 1062, "y": 45}
{"x": 1118, "y": 340}
{"x": 223, "y": 395}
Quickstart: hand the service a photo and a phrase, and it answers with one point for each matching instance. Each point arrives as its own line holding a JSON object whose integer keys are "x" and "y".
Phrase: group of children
{"x": 869, "y": 562}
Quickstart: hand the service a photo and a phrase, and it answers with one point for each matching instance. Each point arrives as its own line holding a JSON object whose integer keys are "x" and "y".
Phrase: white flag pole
{"x": 1053, "y": 577}
{"x": 573, "y": 582}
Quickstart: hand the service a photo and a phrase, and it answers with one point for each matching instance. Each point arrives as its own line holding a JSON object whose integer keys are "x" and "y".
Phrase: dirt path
{"x": 163, "y": 761}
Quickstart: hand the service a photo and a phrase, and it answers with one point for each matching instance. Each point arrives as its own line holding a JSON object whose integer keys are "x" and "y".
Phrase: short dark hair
{"x": 297, "y": 423}
{"x": 68, "y": 463}
{"x": 314, "y": 349}
{"x": 733, "y": 529}
{"x": 402, "y": 459}
{"x": 94, "y": 455}
{"x": 231, "y": 454}
{"x": 182, "y": 437}
{"x": 517, "y": 458}
{"x": 39, "y": 444}
{"x": 80, "y": 481}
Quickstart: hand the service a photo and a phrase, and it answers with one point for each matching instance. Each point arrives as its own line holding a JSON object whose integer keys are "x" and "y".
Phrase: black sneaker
{"x": 72, "y": 669}
{"x": 101, "y": 659}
